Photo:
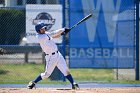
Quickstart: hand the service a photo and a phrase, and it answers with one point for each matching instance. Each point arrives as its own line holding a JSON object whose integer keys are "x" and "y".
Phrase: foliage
{"x": 12, "y": 26}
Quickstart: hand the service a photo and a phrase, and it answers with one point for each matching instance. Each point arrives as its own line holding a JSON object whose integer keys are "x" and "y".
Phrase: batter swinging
{"x": 52, "y": 55}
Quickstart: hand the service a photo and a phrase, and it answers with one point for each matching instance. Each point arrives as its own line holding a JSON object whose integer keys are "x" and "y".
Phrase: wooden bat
{"x": 82, "y": 20}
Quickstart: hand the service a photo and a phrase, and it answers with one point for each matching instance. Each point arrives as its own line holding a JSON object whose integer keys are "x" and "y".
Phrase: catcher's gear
{"x": 75, "y": 86}
{"x": 66, "y": 31}
{"x": 31, "y": 85}
{"x": 2, "y": 51}
{"x": 39, "y": 26}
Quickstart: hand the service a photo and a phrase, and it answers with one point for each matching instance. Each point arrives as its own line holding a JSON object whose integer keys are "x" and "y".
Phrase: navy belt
{"x": 52, "y": 53}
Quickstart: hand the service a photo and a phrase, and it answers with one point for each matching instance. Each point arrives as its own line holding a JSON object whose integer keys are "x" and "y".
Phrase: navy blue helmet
{"x": 39, "y": 26}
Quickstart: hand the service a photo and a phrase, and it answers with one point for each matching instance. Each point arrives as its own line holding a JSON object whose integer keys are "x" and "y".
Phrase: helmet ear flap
{"x": 38, "y": 31}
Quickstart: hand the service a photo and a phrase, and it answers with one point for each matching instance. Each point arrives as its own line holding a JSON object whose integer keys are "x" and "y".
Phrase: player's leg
{"x": 62, "y": 66}
{"x": 50, "y": 65}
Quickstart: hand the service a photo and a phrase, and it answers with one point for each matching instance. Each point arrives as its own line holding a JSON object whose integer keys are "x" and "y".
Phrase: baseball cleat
{"x": 75, "y": 86}
{"x": 31, "y": 85}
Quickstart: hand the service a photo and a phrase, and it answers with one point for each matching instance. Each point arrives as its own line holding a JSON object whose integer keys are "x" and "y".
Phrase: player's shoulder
{"x": 41, "y": 36}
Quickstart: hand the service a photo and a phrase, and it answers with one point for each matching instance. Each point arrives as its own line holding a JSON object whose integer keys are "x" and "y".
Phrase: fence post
{"x": 26, "y": 57}
{"x": 137, "y": 41}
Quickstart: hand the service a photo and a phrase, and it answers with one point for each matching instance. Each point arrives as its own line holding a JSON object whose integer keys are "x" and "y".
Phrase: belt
{"x": 52, "y": 53}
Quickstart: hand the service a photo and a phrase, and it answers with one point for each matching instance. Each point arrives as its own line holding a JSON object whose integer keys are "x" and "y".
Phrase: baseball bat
{"x": 82, "y": 20}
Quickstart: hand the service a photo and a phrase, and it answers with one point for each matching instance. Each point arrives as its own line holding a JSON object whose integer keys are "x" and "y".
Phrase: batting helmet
{"x": 39, "y": 26}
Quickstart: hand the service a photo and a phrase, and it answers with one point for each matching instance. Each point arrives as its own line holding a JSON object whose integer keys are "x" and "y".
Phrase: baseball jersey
{"x": 46, "y": 42}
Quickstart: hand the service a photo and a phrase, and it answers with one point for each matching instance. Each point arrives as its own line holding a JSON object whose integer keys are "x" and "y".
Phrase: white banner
{"x": 51, "y": 15}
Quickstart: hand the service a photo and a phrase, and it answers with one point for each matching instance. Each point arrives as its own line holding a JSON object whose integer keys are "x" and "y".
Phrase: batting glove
{"x": 66, "y": 31}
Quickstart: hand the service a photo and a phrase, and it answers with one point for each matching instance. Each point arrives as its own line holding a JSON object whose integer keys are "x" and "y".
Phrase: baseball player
{"x": 52, "y": 55}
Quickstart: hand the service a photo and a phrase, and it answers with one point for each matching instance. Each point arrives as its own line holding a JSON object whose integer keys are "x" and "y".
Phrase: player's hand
{"x": 66, "y": 31}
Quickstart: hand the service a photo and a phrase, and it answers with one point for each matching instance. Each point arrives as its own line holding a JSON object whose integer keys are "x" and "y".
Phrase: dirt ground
{"x": 82, "y": 90}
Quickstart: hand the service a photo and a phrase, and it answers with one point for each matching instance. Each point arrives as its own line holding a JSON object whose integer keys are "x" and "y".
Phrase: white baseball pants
{"x": 52, "y": 61}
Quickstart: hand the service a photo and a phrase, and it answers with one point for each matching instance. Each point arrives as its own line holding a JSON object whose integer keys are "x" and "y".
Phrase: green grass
{"x": 92, "y": 74}
{"x": 23, "y": 73}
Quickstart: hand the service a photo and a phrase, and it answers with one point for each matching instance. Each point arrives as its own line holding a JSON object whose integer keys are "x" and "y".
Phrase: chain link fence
{"x": 13, "y": 30}
{"x": 13, "y": 40}
{"x": 23, "y": 61}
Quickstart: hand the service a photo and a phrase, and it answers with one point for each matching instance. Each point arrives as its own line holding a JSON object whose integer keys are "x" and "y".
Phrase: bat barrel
{"x": 82, "y": 20}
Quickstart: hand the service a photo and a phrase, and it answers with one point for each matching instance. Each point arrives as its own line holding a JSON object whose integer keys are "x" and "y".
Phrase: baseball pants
{"x": 52, "y": 61}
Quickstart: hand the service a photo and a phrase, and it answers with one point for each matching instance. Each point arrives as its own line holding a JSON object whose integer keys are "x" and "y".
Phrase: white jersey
{"x": 47, "y": 44}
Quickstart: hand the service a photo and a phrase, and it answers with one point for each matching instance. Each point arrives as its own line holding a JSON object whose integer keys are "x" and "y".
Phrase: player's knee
{"x": 67, "y": 72}
{"x": 45, "y": 75}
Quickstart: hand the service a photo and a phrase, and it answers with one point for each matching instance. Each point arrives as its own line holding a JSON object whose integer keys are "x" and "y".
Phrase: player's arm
{"x": 58, "y": 33}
